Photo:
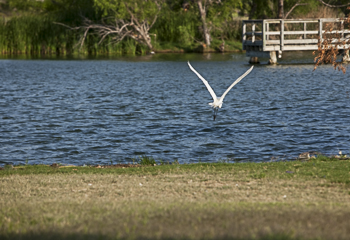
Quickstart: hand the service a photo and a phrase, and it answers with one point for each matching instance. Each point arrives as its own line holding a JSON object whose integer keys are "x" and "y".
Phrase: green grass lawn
{"x": 273, "y": 200}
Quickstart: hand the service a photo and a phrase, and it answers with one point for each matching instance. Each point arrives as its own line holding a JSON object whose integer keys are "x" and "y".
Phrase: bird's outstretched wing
{"x": 237, "y": 81}
{"x": 211, "y": 91}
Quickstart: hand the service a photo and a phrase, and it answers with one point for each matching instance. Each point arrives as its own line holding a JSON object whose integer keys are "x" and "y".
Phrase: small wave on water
{"x": 98, "y": 111}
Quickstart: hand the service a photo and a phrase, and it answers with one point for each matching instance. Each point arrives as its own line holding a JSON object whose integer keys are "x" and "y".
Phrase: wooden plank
{"x": 297, "y": 47}
{"x": 273, "y": 33}
{"x": 273, "y": 48}
{"x": 273, "y": 21}
{"x": 293, "y": 41}
{"x": 282, "y": 35}
{"x": 300, "y": 32}
{"x": 292, "y": 32}
{"x": 300, "y": 21}
{"x": 331, "y": 19}
{"x": 290, "y": 21}
{"x": 302, "y": 43}
{"x": 292, "y": 48}
{"x": 320, "y": 29}
{"x": 244, "y": 36}
{"x": 264, "y": 35}
{"x": 286, "y": 42}
{"x": 300, "y": 47}
{"x": 270, "y": 42}
{"x": 254, "y": 33}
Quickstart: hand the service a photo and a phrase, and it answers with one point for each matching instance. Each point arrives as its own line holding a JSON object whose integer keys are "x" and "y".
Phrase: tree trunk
{"x": 253, "y": 7}
{"x": 206, "y": 30}
{"x": 147, "y": 40}
{"x": 149, "y": 44}
{"x": 280, "y": 9}
{"x": 141, "y": 34}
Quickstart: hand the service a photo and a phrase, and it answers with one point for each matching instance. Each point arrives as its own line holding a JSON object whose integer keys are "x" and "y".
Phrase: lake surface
{"x": 95, "y": 111}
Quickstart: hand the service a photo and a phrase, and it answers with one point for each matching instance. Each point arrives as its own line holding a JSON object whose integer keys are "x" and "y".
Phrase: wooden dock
{"x": 268, "y": 38}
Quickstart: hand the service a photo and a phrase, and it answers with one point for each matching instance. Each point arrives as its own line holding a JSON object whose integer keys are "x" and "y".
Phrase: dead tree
{"x": 118, "y": 29}
{"x": 206, "y": 29}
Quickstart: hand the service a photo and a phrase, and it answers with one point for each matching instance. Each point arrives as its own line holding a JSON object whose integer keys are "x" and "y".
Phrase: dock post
{"x": 346, "y": 56}
{"x": 273, "y": 58}
{"x": 254, "y": 60}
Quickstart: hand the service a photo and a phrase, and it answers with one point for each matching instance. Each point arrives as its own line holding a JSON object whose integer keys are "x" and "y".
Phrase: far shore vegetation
{"x": 299, "y": 199}
{"x": 66, "y": 27}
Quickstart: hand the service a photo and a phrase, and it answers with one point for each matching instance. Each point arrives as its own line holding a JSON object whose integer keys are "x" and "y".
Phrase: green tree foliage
{"x": 141, "y": 9}
{"x": 176, "y": 26}
{"x": 222, "y": 18}
{"x": 121, "y": 19}
{"x": 50, "y": 7}
{"x": 25, "y": 5}
{"x": 31, "y": 29}
{"x": 263, "y": 9}
{"x": 212, "y": 18}
{"x": 28, "y": 25}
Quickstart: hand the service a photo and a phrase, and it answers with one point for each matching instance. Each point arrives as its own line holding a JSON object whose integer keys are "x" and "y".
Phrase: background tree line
{"x": 138, "y": 26}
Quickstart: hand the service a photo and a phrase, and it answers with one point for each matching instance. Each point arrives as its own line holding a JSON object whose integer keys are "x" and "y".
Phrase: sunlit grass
{"x": 322, "y": 168}
{"x": 270, "y": 200}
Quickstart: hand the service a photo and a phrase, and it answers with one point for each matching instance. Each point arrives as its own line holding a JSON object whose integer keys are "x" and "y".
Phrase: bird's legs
{"x": 215, "y": 112}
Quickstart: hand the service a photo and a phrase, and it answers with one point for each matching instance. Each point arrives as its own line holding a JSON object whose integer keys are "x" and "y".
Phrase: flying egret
{"x": 218, "y": 101}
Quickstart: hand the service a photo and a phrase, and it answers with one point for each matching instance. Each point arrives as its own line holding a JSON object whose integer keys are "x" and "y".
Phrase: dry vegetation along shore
{"x": 274, "y": 200}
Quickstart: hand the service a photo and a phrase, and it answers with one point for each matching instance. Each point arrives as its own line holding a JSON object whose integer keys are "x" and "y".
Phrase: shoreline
{"x": 160, "y": 51}
{"x": 144, "y": 161}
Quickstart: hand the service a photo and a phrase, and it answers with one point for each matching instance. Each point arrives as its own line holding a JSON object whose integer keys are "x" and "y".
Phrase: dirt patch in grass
{"x": 120, "y": 165}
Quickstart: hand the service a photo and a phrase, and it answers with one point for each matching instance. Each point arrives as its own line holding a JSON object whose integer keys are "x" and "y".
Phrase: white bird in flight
{"x": 218, "y": 101}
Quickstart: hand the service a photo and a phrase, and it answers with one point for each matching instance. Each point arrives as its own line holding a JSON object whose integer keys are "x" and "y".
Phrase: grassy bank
{"x": 38, "y": 35}
{"x": 275, "y": 200}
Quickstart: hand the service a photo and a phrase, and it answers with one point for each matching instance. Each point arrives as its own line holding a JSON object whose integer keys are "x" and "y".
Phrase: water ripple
{"x": 97, "y": 111}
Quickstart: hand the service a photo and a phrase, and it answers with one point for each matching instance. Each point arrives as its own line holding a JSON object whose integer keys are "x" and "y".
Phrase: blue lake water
{"x": 94, "y": 111}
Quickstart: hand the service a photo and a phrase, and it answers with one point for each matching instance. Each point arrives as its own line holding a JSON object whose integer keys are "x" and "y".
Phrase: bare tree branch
{"x": 155, "y": 18}
{"x": 64, "y": 25}
{"x": 333, "y": 6}
{"x": 295, "y": 5}
{"x": 137, "y": 29}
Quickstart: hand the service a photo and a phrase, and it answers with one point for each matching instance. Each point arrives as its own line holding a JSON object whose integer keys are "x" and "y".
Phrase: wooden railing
{"x": 288, "y": 35}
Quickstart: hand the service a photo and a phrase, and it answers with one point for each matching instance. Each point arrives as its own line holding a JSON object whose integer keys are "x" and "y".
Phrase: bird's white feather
{"x": 217, "y": 103}
{"x": 235, "y": 82}
{"x": 211, "y": 91}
